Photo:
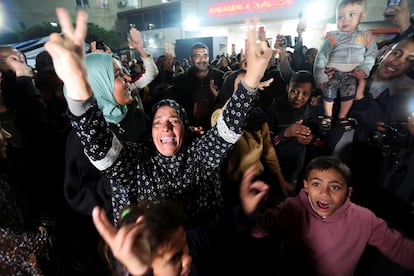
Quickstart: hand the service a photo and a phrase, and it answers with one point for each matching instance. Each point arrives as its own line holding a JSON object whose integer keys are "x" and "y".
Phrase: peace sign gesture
{"x": 258, "y": 55}
{"x": 68, "y": 56}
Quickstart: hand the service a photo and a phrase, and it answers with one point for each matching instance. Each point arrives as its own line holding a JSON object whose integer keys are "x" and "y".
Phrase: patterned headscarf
{"x": 180, "y": 110}
{"x": 100, "y": 70}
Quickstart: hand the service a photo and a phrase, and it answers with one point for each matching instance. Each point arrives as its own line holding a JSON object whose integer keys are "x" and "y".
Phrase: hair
{"x": 199, "y": 45}
{"x": 164, "y": 91}
{"x": 329, "y": 162}
{"x": 162, "y": 219}
{"x": 302, "y": 76}
{"x": 46, "y": 78}
{"x": 173, "y": 104}
{"x": 5, "y": 51}
{"x": 409, "y": 38}
{"x": 343, "y": 3}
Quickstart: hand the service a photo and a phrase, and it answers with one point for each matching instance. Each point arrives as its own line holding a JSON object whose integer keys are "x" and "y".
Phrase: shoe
{"x": 347, "y": 124}
{"x": 325, "y": 123}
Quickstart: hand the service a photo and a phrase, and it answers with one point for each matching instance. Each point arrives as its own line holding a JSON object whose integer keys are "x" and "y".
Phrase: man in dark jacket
{"x": 199, "y": 87}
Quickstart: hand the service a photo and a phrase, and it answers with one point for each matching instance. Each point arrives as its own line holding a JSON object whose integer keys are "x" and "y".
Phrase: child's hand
{"x": 129, "y": 244}
{"x": 251, "y": 193}
{"x": 329, "y": 72}
{"x": 358, "y": 73}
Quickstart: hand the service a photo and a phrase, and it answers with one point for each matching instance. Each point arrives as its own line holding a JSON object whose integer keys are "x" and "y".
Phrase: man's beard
{"x": 203, "y": 65}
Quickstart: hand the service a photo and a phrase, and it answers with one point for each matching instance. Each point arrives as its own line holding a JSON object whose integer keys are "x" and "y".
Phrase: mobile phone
{"x": 389, "y": 9}
{"x": 100, "y": 45}
{"x": 287, "y": 41}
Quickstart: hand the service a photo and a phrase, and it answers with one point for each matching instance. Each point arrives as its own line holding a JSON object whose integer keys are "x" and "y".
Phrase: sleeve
{"x": 321, "y": 61}
{"x": 225, "y": 92}
{"x": 151, "y": 71}
{"x": 84, "y": 185}
{"x": 392, "y": 243}
{"x": 101, "y": 146}
{"x": 285, "y": 70}
{"x": 370, "y": 54}
{"x": 230, "y": 125}
{"x": 21, "y": 249}
{"x": 298, "y": 57}
{"x": 28, "y": 99}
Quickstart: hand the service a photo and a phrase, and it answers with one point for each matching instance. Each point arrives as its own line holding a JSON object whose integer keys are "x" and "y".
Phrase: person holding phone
{"x": 399, "y": 14}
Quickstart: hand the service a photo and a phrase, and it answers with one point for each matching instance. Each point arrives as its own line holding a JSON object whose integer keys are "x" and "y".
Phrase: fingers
{"x": 103, "y": 226}
{"x": 52, "y": 46}
{"x": 266, "y": 83}
{"x": 93, "y": 46}
{"x": 249, "y": 173}
{"x": 65, "y": 23}
{"x": 81, "y": 28}
{"x": 251, "y": 35}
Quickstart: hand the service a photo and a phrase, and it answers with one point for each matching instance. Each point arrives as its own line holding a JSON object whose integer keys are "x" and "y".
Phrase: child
{"x": 151, "y": 239}
{"x": 290, "y": 122}
{"x": 343, "y": 61}
{"x": 321, "y": 227}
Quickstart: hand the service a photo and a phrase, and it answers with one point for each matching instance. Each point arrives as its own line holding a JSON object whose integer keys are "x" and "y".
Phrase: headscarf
{"x": 180, "y": 110}
{"x": 100, "y": 70}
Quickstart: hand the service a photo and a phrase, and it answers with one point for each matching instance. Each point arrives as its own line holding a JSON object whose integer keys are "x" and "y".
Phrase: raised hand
{"x": 18, "y": 65}
{"x": 264, "y": 84}
{"x": 258, "y": 55}
{"x": 251, "y": 193}
{"x": 67, "y": 53}
{"x": 94, "y": 48}
{"x": 130, "y": 244}
{"x": 135, "y": 41}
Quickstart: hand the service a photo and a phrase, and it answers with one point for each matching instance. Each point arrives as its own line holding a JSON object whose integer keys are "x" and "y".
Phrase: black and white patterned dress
{"x": 139, "y": 172}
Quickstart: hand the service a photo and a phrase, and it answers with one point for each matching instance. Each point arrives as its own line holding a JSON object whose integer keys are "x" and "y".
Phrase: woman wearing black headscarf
{"x": 167, "y": 167}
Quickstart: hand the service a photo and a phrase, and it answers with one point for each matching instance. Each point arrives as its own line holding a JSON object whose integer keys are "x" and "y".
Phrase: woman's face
{"x": 122, "y": 93}
{"x": 167, "y": 130}
{"x": 173, "y": 258}
{"x": 397, "y": 61}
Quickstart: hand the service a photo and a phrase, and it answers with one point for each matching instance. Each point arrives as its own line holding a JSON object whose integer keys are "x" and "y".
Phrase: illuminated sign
{"x": 230, "y": 8}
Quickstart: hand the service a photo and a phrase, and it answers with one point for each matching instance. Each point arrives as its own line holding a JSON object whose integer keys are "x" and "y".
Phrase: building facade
{"x": 165, "y": 21}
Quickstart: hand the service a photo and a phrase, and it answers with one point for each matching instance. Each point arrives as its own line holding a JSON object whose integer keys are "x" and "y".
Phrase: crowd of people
{"x": 229, "y": 166}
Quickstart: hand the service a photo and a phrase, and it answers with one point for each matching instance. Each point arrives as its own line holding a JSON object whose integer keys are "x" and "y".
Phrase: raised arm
{"x": 258, "y": 55}
{"x": 151, "y": 69}
{"x": 68, "y": 55}
{"x": 130, "y": 244}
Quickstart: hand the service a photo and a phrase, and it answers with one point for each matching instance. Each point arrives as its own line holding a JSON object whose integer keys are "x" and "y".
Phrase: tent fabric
{"x": 31, "y": 48}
